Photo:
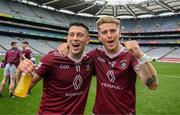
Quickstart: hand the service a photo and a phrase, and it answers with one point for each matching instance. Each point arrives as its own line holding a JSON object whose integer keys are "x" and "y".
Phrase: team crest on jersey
{"x": 101, "y": 59}
{"x": 123, "y": 64}
{"x": 88, "y": 67}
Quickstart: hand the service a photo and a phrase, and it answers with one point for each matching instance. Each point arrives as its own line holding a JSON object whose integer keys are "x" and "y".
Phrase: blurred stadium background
{"x": 155, "y": 24}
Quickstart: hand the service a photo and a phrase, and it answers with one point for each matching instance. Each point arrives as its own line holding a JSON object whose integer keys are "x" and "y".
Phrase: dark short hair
{"x": 25, "y": 42}
{"x": 79, "y": 24}
{"x": 13, "y": 43}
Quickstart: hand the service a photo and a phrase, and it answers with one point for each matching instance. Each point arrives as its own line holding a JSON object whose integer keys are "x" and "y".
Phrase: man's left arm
{"x": 145, "y": 69}
{"x": 148, "y": 75}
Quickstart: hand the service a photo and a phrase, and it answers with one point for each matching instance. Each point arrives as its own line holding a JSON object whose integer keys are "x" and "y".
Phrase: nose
{"x": 109, "y": 34}
{"x": 75, "y": 37}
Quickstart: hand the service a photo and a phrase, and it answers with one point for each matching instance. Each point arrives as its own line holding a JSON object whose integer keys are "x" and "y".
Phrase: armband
{"x": 143, "y": 59}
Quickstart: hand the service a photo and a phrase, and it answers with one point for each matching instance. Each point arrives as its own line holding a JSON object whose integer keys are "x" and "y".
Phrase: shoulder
{"x": 27, "y": 50}
{"x": 94, "y": 52}
{"x": 48, "y": 58}
{"x": 126, "y": 52}
{"x": 87, "y": 59}
{"x": 16, "y": 49}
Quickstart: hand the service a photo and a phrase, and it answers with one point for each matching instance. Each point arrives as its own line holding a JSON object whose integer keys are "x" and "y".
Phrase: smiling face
{"x": 77, "y": 39}
{"x": 109, "y": 34}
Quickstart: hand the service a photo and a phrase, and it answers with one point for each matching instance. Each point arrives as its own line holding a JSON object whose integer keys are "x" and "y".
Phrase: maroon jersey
{"x": 115, "y": 82}
{"x": 27, "y": 53}
{"x": 12, "y": 56}
{"x": 65, "y": 84}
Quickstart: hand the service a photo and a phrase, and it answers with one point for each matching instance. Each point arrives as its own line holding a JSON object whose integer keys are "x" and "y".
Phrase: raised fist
{"x": 134, "y": 48}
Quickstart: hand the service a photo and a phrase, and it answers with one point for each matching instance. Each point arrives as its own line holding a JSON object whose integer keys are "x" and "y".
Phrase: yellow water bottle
{"x": 23, "y": 85}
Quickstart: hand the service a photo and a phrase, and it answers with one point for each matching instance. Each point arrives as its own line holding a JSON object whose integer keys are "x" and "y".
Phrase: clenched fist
{"x": 134, "y": 48}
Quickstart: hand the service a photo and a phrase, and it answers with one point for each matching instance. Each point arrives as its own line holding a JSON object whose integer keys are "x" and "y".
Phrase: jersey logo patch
{"x": 101, "y": 59}
{"x": 110, "y": 75}
{"x": 77, "y": 82}
{"x": 64, "y": 66}
{"x": 123, "y": 64}
{"x": 112, "y": 64}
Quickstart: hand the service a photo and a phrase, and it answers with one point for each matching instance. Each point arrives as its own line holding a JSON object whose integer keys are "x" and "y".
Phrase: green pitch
{"x": 164, "y": 100}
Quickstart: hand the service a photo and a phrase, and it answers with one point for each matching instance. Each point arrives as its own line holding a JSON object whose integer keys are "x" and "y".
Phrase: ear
{"x": 99, "y": 38}
{"x": 119, "y": 33}
{"x": 87, "y": 41}
{"x": 66, "y": 38}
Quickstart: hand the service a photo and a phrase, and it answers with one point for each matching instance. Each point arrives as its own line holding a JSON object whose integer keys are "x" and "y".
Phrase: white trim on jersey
{"x": 115, "y": 54}
{"x": 76, "y": 60}
{"x": 78, "y": 68}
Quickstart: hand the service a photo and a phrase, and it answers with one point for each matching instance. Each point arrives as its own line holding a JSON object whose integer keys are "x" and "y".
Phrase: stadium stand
{"x": 39, "y": 45}
{"x": 146, "y": 49}
{"x": 151, "y": 24}
{"x": 159, "y": 52}
{"x": 51, "y": 44}
{"x": 2, "y": 50}
{"x": 158, "y": 36}
{"x": 174, "y": 54}
{"x": 6, "y": 40}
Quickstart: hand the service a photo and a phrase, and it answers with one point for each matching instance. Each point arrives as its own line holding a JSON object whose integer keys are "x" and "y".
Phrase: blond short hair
{"x": 107, "y": 19}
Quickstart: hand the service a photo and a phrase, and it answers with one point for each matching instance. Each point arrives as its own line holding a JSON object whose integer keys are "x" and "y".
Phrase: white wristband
{"x": 143, "y": 59}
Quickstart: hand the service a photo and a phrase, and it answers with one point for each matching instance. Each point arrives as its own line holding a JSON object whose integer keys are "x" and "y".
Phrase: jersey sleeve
{"x": 92, "y": 55}
{"x": 44, "y": 65}
{"x": 134, "y": 62}
{"x": 5, "y": 58}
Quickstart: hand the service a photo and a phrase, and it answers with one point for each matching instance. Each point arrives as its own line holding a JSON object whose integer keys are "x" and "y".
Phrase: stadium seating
{"x": 174, "y": 54}
{"x": 2, "y": 50}
{"x": 42, "y": 15}
{"x": 39, "y": 46}
{"x": 38, "y": 14}
{"x": 52, "y": 44}
{"x": 6, "y": 41}
{"x": 158, "y": 52}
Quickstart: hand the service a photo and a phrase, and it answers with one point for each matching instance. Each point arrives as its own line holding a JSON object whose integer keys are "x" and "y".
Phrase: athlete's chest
{"x": 115, "y": 71}
{"x": 118, "y": 65}
{"x": 68, "y": 72}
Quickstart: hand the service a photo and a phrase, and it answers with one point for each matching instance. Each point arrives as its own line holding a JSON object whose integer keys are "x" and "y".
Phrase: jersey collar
{"x": 77, "y": 60}
{"x": 115, "y": 54}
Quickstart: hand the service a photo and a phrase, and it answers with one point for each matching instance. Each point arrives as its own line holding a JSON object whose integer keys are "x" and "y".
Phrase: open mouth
{"x": 75, "y": 45}
{"x": 110, "y": 41}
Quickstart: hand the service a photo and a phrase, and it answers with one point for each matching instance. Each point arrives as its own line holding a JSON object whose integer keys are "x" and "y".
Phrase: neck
{"x": 77, "y": 56}
{"x": 113, "y": 51}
